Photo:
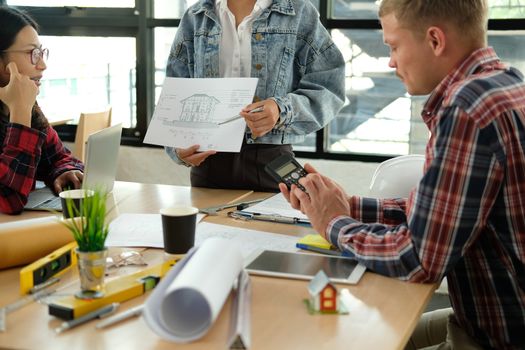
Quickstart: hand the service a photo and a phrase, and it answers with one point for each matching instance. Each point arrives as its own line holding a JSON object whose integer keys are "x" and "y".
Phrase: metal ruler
{"x": 21, "y": 302}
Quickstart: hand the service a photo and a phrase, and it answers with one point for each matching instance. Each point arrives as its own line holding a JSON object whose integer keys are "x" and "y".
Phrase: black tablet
{"x": 305, "y": 266}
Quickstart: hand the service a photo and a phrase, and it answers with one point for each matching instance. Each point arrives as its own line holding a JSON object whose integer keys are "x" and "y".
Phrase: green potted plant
{"x": 89, "y": 227}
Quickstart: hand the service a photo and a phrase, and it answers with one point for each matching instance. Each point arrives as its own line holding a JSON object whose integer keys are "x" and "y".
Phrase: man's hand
{"x": 191, "y": 156}
{"x": 260, "y": 123}
{"x": 324, "y": 201}
{"x": 288, "y": 194}
{"x": 69, "y": 178}
{"x": 19, "y": 96}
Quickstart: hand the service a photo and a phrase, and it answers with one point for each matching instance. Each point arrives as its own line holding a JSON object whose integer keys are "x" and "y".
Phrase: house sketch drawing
{"x": 196, "y": 112}
{"x": 198, "y": 108}
{"x": 191, "y": 111}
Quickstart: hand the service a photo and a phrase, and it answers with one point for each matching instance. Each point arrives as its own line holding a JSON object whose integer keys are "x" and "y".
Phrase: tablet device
{"x": 305, "y": 266}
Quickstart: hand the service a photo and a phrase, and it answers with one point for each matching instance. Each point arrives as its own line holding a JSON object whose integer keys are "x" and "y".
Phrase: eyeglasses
{"x": 37, "y": 54}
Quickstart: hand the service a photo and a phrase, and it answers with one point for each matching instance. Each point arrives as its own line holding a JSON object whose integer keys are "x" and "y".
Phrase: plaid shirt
{"x": 28, "y": 154}
{"x": 466, "y": 218}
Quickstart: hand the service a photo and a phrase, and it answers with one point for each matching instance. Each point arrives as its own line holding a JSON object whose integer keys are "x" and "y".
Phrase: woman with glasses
{"x": 29, "y": 147}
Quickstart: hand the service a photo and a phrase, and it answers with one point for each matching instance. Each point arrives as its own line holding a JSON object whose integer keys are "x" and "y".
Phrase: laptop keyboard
{"x": 53, "y": 204}
{"x": 43, "y": 199}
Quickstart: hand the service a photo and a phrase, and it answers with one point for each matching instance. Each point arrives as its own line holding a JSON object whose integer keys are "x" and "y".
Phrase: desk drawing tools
{"x": 239, "y": 334}
{"x": 245, "y": 215}
{"x": 216, "y": 209}
{"x": 48, "y": 267}
{"x": 98, "y": 313}
{"x": 21, "y": 303}
{"x": 117, "y": 290}
{"x": 134, "y": 311}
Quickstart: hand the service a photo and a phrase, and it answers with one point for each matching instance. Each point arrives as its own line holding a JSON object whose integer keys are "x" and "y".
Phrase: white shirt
{"x": 235, "y": 49}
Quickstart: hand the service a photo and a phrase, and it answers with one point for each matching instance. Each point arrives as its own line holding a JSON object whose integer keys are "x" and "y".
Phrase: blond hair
{"x": 469, "y": 17}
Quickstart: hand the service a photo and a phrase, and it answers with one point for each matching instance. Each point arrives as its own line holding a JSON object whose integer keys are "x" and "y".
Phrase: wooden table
{"x": 383, "y": 311}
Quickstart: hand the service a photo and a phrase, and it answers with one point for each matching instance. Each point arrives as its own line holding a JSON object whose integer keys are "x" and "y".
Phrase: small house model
{"x": 323, "y": 294}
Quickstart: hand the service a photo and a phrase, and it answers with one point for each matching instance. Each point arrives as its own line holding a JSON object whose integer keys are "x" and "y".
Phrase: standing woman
{"x": 300, "y": 88}
{"x": 29, "y": 147}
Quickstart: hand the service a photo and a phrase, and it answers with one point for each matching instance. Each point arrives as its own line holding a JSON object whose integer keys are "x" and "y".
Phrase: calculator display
{"x": 286, "y": 169}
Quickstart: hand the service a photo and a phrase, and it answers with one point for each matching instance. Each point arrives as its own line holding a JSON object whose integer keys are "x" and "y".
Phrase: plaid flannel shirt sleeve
{"x": 29, "y": 154}
{"x": 56, "y": 159}
{"x": 18, "y": 163}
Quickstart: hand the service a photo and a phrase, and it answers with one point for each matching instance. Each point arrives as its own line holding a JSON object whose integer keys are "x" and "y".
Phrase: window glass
{"x": 86, "y": 74}
{"x": 355, "y": 9}
{"x": 170, "y": 8}
{"x": 163, "y": 40}
{"x": 502, "y": 9}
{"x": 378, "y": 116}
{"x": 510, "y": 47}
{"x": 81, "y": 3}
{"x": 367, "y": 9}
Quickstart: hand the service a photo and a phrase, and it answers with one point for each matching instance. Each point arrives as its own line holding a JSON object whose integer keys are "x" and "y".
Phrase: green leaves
{"x": 89, "y": 228}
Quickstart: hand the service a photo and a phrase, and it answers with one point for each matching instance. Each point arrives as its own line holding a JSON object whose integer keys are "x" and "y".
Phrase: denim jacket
{"x": 293, "y": 56}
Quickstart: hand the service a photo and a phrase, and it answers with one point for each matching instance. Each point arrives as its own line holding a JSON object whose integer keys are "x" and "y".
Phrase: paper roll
{"x": 25, "y": 241}
{"x": 188, "y": 300}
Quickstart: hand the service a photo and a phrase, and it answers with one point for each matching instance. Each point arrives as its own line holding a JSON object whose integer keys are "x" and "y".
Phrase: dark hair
{"x": 12, "y": 22}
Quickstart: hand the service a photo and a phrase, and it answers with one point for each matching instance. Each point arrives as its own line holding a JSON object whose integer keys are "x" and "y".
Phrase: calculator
{"x": 286, "y": 169}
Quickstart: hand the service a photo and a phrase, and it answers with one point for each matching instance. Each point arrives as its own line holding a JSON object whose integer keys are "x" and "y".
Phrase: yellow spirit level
{"x": 47, "y": 267}
{"x": 116, "y": 291}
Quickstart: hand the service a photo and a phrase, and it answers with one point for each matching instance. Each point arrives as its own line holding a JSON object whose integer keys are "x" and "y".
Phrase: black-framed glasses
{"x": 37, "y": 54}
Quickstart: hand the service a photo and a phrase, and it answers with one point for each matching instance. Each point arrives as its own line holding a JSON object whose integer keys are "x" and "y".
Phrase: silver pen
{"x": 238, "y": 116}
{"x": 99, "y": 313}
{"x": 36, "y": 296}
{"x": 274, "y": 218}
{"x": 134, "y": 311}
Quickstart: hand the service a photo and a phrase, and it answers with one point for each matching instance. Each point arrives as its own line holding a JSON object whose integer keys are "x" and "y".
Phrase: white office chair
{"x": 395, "y": 178}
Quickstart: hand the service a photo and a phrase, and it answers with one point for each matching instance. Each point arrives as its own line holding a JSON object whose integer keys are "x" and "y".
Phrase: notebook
{"x": 99, "y": 172}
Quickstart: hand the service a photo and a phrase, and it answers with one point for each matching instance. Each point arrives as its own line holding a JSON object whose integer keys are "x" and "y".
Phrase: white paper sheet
{"x": 276, "y": 205}
{"x": 188, "y": 112}
{"x": 145, "y": 230}
{"x": 138, "y": 230}
{"x": 189, "y": 298}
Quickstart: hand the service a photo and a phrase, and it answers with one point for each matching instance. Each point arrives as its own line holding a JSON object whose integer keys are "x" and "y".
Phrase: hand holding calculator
{"x": 286, "y": 169}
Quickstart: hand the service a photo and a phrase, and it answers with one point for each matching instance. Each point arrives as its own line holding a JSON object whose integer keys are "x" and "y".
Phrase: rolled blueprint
{"x": 22, "y": 242}
{"x": 188, "y": 300}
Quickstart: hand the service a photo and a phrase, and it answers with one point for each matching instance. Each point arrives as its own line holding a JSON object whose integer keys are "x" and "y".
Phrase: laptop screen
{"x": 101, "y": 158}
{"x": 99, "y": 172}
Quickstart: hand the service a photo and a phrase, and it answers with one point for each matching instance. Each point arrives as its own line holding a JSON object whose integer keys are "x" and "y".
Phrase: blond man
{"x": 465, "y": 219}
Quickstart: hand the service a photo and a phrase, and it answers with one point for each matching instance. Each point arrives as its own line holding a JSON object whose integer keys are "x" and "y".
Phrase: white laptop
{"x": 99, "y": 172}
